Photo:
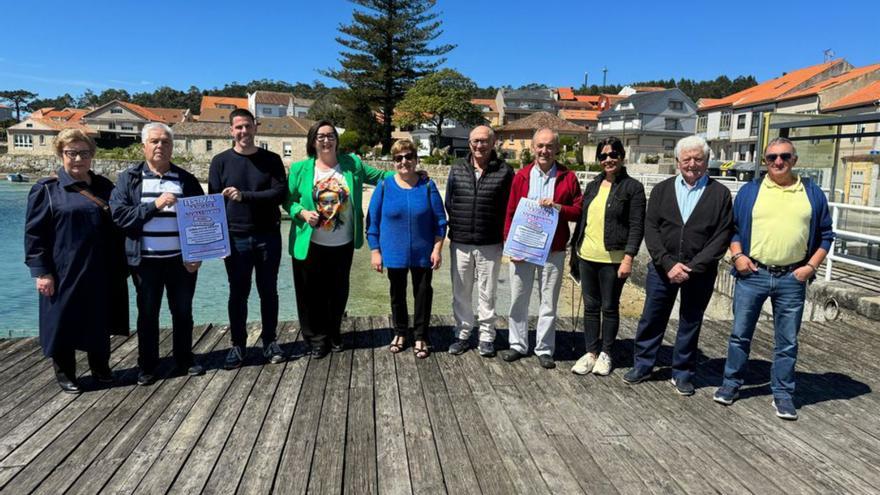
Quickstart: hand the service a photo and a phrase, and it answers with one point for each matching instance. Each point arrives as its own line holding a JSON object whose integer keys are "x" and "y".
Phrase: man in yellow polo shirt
{"x": 783, "y": 233}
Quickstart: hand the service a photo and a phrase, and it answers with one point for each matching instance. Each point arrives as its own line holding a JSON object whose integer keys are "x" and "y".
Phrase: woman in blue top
{"x": 406, "y": 225}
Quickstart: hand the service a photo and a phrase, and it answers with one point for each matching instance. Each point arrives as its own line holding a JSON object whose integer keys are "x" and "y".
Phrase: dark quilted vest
{"x": 476, "y": 208}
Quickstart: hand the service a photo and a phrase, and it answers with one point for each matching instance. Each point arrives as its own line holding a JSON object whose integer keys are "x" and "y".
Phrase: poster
{"x": 531, "y": 232}
{"x": 204, "y": 233}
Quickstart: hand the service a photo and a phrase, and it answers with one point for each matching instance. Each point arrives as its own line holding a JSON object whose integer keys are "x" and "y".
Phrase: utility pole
{"x": 586, "y": 77}
{"x": 604, "y": 76}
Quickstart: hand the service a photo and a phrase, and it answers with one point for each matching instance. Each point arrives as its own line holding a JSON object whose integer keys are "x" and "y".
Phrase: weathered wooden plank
{"x": 296, "y": 461}
{"x": 233, "y": 459}
{"x": 328, "y": 461}
{"x": 426, "y": 473}
{"x": 392, "y": 463}
{"x": 264, "y": 463}
{"x": 360, "y": 442}
{"x": 16, "y": 350}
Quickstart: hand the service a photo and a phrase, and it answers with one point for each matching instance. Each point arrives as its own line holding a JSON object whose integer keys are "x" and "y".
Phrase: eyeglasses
{"x": 325, "y": 137}
{"x": 409, "y": 156}
{"x": 72, "y": 154}
{"x": 771, "y": 157}
{"x": 477, "y": 142}
{"x": 613, "y": 155}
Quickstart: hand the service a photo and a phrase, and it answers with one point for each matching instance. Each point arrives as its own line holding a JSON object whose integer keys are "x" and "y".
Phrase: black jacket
{"x": 131, "y": 215}
{"x": 699, "y": 243}
{"x": 624, "y": 216}
{"x": 476, "y": 207}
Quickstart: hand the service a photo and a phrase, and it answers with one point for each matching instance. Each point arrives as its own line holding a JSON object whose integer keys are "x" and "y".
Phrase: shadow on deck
{"x": 366, "y": 421}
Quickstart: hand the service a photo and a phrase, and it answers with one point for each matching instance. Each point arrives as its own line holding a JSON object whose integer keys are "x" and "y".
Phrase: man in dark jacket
{"x": 254, "y": 184}
{"x": 143, "y": 205}
{"x": 476, "y": 198}
{"x": 688, "y": 226}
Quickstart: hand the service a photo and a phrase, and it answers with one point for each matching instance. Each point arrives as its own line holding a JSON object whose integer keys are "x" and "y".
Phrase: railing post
{"x": 835, "y": 213}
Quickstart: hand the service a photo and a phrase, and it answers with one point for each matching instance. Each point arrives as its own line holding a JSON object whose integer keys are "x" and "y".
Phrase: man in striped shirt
{"x": 144, "y": 206}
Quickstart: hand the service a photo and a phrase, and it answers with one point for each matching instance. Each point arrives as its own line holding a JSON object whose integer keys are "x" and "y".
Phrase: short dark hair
{"x": 615, "y": 144}
{"x": 313, "y": 135}
{"x": 241, "y": 112}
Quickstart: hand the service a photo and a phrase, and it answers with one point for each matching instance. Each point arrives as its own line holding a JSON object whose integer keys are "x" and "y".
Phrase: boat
{"x": 16, "y": 177}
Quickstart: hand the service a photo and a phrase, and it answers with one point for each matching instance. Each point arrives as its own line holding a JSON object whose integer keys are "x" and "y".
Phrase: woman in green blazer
{"x": 324, "y": 202}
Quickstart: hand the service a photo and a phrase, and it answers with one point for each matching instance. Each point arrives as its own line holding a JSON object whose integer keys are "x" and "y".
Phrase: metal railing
{"x": 651, "y": 180}
{"x": 849, "y": 240}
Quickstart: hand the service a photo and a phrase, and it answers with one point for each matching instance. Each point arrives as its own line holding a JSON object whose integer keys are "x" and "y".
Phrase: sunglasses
{"x": 613, "y": 155}
{"x": 408, "y": 156}
{"x": 771, "y": 157}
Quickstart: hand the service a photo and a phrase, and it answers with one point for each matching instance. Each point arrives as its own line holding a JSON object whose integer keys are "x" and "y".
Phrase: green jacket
{"x": 299, "y": 186}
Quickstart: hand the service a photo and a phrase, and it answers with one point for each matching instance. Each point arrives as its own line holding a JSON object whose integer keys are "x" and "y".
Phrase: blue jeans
{"x": 258, "y": 254}
{"x": 660, "y": 296}
{"x": 786, "y": 295}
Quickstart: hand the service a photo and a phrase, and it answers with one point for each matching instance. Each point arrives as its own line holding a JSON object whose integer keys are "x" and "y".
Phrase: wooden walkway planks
{"x": 366, "y": 421}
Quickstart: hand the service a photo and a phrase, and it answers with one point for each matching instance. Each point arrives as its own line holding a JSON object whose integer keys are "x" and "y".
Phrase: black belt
{"x": 779, "y": 270}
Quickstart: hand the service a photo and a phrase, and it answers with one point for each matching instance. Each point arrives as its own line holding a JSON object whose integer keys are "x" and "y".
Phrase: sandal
{"x": 421, "y": 352}
{"x": 396, "y": 346}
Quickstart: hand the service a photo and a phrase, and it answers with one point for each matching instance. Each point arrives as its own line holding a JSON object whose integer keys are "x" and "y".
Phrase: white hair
{"x": 145, "y": 132}
{"x": 692, "y": 143}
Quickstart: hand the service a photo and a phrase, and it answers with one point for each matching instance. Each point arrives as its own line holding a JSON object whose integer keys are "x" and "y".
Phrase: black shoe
{"x": 273, "y": 353}
{"x": 546, "y": 361}
{"x": 235, "y": 358}
{"x": 636, "y": 375}
{"x": 68, "y": 385}
{"x": 337, "y": 346}
{"x": 511, "y": 355}
{"x": 460, "y": 346}
{"x": 319, "y": 352}
{"x": 683, "y": 387}
{"x": 104, "y": 376}
{"x": 145, "y": 379}
{"x": 195, "y": 370}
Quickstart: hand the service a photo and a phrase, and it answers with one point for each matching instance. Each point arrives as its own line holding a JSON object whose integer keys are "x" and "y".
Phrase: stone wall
{"x": 43, "y": 166}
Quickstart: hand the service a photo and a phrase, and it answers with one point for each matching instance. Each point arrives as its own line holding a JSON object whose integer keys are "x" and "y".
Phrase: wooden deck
{"x": 365, "y": 421}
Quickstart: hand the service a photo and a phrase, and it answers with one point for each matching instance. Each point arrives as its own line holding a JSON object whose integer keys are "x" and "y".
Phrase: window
{"x": 725, "y": 122}
{"x": 127, "y": 127}
{"x": 288, "y": 149}
{"x": 668, "y": 144}
{"x": 29, "y": 125}
{"x": 702, "y": 123}
{"x": 42, "y": 140}
{"x": 672, "y": 125}
{"x": 116, "y": 110}
{"x": 188, "y": 145}
{"x": 267, "y": 111}
{"x": 209, "y": 145}
{"x": 24, "y": 141}
{"x": 264, "y": 145}
{"x": 676, "y": 105}
{"x": 111, "y": 126}
{"x": 753, "y": 127}
{"x": 741, "y": 121}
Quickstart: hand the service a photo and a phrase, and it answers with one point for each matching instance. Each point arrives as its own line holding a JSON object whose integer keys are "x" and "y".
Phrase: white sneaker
{"x": 603, "y": 365}
{"x": 584, "y": 365}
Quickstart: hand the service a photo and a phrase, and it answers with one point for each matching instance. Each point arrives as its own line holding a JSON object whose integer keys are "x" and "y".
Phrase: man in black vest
{"x": 476, "y": 198}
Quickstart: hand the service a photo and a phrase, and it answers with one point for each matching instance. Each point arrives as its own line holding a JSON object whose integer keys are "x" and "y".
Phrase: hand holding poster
{"x": 531, "y": 232}
{"x": 204, "y": 233}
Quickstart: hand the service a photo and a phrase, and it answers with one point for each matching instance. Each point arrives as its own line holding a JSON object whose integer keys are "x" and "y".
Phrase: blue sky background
{"x": 55, "y": 47}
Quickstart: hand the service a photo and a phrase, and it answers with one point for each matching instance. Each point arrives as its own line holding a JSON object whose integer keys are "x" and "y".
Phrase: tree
{"x": 437, "y": 97}
{"x": 388, "y": 46}
{"x": 19, "y": 98}
{"x": 327, "y": 107}
{"x": 60, "y": 102}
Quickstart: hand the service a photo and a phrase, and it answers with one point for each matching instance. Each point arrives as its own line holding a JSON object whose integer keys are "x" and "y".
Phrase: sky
{"x": 68, "y": 47}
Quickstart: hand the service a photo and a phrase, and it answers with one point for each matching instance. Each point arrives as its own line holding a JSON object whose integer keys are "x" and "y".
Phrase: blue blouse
{"x": 402, "y": 223}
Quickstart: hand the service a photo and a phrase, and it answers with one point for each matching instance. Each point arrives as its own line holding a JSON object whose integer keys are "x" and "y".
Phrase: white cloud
{"x": 52, "y": 80}
{"x": 131, "y": 83}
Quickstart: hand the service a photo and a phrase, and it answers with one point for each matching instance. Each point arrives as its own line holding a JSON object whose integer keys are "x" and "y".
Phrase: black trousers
{"x": 601, "y": 291}
{"x": 260, "y": 255}
{"x": 151, "y": 278}
{"x": 64, "y": 362}
{"x": 423, "y": 295}
{"x": 321, "y": 285}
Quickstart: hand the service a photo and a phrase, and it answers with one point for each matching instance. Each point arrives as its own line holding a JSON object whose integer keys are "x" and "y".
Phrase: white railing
{"x": 651, "y": 180}
{"x": 870, "y": 218}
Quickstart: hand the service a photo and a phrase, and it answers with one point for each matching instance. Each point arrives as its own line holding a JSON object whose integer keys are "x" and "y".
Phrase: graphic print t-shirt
{"x": 332, "y": 197}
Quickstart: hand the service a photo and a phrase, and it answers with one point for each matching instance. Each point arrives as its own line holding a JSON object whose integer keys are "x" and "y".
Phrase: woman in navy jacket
{"x": 406, "y": 225}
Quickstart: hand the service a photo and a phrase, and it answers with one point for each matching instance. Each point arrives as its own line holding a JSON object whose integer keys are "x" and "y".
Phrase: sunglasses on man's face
{"x": 613, "y": 155}
{"x": 771, "y": 157}
{"x": 407, "y": 157}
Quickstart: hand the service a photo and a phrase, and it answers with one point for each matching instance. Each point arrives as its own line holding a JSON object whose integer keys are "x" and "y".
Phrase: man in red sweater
{"x": 552, "y": 185}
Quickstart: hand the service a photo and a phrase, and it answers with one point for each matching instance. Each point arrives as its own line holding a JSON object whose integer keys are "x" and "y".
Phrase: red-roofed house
{"x": 224, "y": 102}
{"x": 732, "y": 124}
{"x": 118, "y": 122}
{"x": 34, "y": 135}
{"x": 587, "y": 119}
{"x": 489, "y": 109}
